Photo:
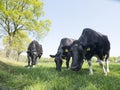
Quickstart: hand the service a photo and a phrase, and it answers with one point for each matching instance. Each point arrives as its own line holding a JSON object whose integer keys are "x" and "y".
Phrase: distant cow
{"x": 62, "y": 53}
{"x": 90, "y": 43}
{"x": 34, "y": 50}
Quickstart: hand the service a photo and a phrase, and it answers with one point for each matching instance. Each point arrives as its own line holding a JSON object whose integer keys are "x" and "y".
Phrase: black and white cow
{"x": 90, "y": 43}
{"x": 62, "y": 53}
{"x": 34, "y": 50}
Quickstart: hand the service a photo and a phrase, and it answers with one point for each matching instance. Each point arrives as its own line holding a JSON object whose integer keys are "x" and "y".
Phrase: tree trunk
{"x": 9, "y": 47}
{"x": 8, "y": 52}
{"x": 18, "y": 57}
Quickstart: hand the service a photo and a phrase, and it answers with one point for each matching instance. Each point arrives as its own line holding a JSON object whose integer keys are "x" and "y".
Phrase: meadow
{"x": 15, "y": 76}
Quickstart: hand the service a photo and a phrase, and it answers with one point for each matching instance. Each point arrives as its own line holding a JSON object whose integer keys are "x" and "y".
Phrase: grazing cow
{"x": 34, "y": 50}
{"x": 62, "y": 53}
{"x": 90, "y": 43}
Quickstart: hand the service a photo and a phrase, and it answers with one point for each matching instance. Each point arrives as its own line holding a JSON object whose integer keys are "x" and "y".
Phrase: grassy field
{"x": 14, "y": 76}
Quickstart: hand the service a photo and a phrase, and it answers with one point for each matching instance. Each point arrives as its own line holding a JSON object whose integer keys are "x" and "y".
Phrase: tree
{"x": 17, "y": 15}
{"x": 19, "y": 43}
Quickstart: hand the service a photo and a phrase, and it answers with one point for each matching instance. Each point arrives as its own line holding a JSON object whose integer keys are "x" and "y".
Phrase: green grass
{"x": 14, "y": 76}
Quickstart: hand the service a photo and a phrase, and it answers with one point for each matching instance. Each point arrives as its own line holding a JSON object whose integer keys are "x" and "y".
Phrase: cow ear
{"x": 52, "y": 56}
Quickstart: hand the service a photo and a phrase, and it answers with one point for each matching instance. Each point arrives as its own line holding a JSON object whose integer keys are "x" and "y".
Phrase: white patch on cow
{"x": 35, "y": 53}
{"x": 102, "y": 65}
{"x": 90, "y": 67}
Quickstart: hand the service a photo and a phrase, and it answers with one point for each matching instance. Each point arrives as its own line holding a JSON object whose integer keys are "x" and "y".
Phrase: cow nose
{"x": 59, "y": 70}
{"x": 75, "y": 68}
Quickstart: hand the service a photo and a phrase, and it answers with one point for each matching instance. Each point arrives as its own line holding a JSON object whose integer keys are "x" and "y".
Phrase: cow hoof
{"x": 33, "y": 66}
{"x": 90, "y": 73}
{"x": 105, "y": 74}
{"x": 68, "y": 69}
{"x": 28, "y": 67}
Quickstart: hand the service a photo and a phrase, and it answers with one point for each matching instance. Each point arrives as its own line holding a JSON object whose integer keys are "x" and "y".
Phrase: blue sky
{"x": 70, "y": 17}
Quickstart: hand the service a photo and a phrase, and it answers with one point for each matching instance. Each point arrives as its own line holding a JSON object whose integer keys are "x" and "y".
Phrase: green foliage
{"x": 20, "y": 41}
{"x": 17, "y": 15}
{"x": 45, "y": 77}
{"x": 112, "y": 59}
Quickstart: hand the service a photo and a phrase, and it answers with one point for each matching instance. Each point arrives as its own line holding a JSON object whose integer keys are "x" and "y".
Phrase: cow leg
{"x": 107, "y": 66}
{"x": 67, "y": 62}
{"x": 28, "y": 61}
{"x": 32, "y": 63}
{"x": 102, "y": 65}
{"x": 90, "y": 67}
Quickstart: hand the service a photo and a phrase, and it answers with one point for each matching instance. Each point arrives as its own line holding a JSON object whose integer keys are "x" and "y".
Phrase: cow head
{"x": 77, "y": 56}
{"x": 32, "y": 56}
{"x": 58, "y": 61}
